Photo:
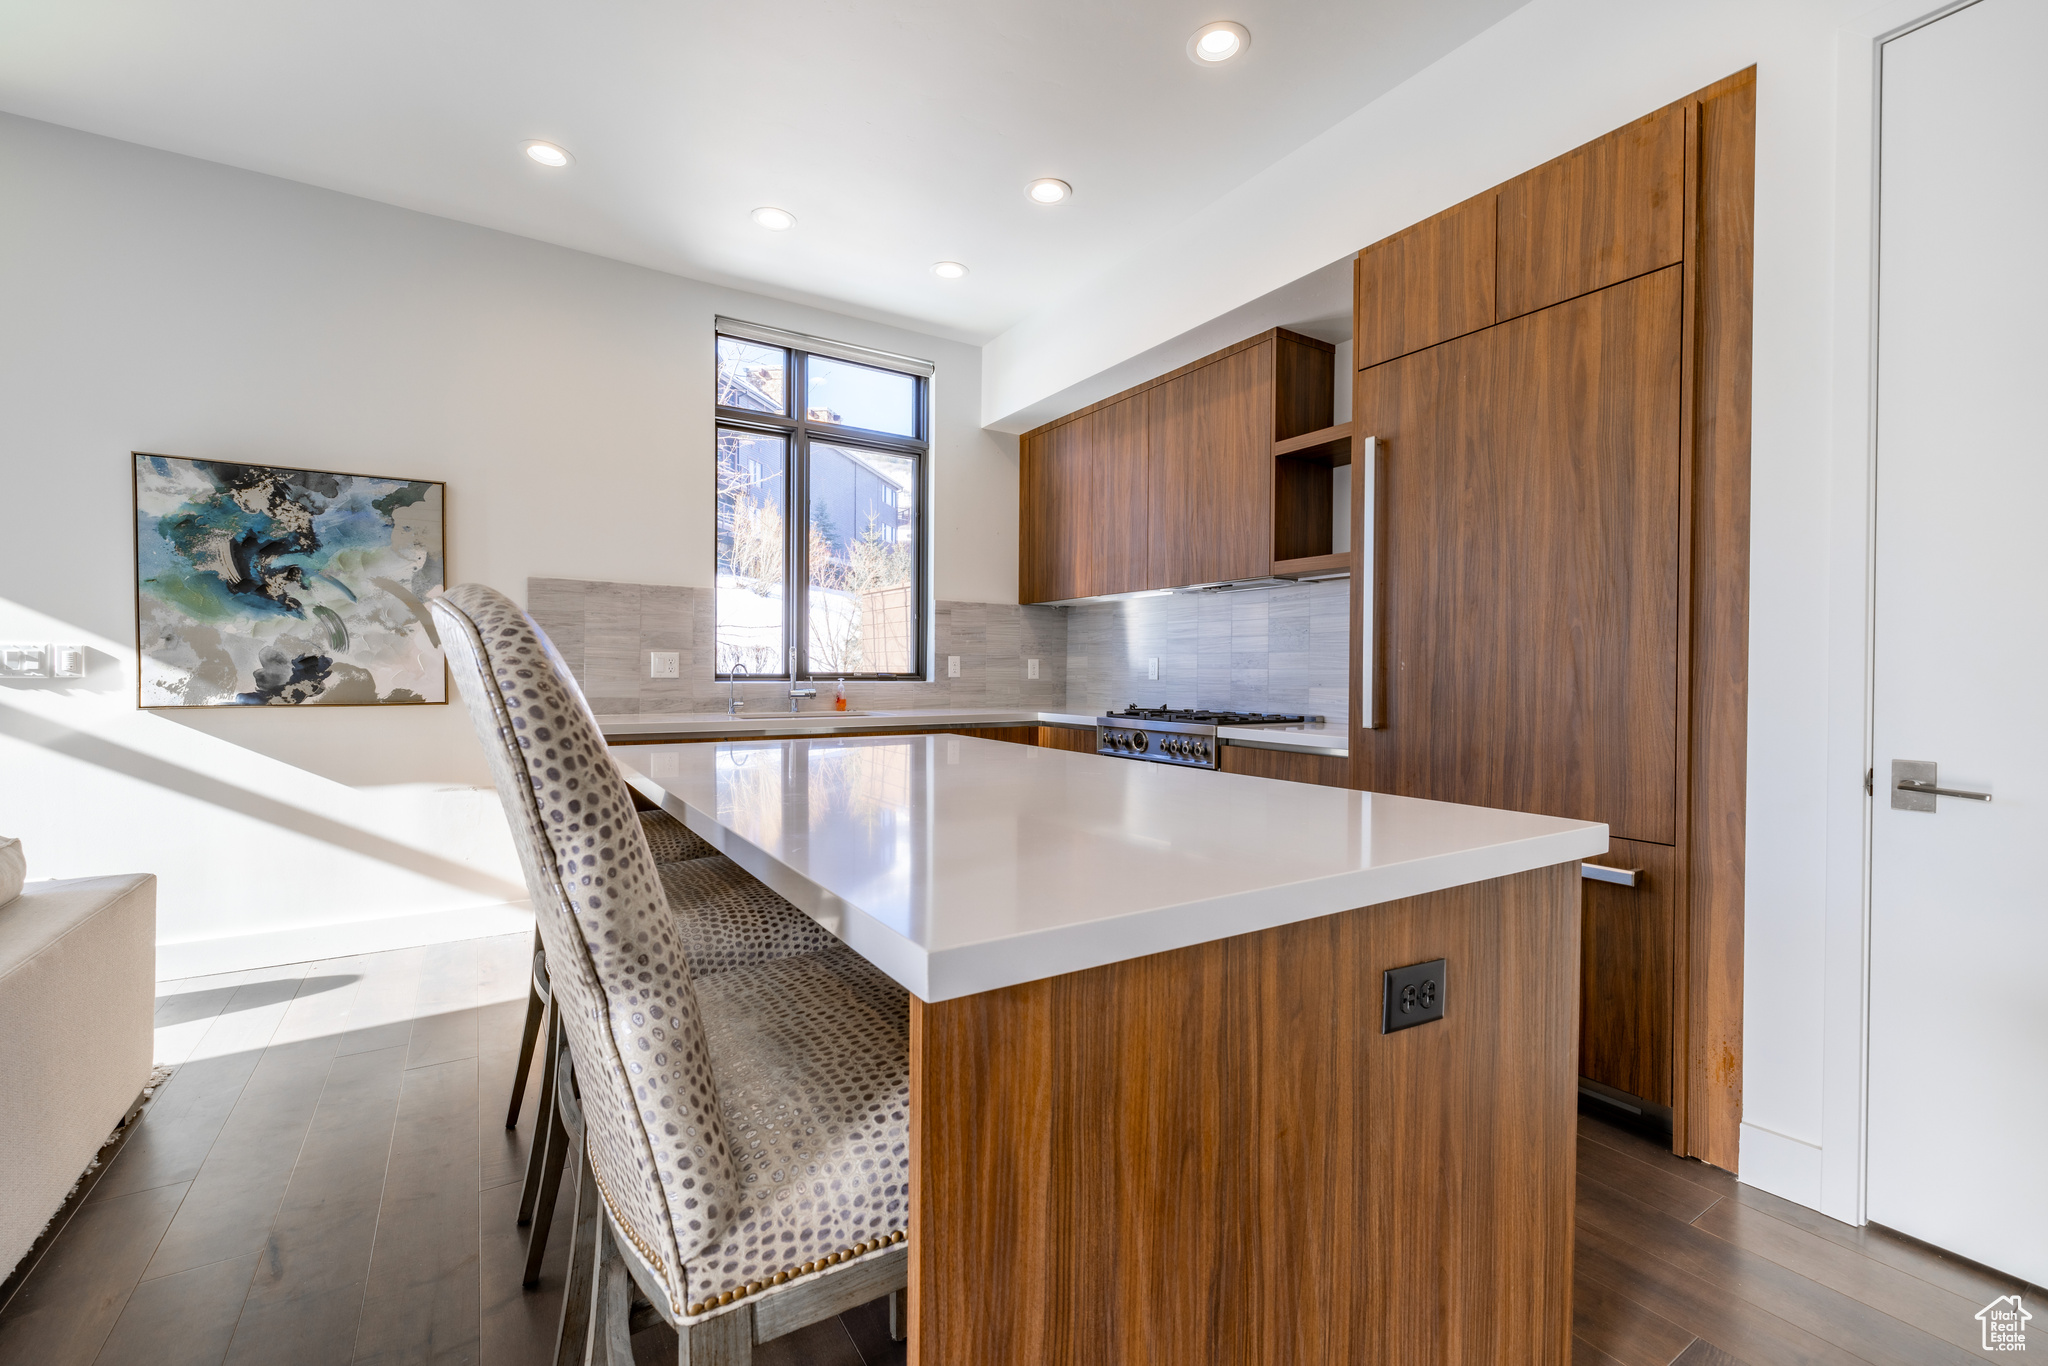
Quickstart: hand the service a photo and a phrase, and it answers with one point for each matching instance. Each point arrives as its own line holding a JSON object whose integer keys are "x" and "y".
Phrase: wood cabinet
{"x": 1212, "y": 446}
{"x": 1560, "y": 606}
{"x": 1426, "y": 285}
{"x": 1171, "y": 483}
{"x": 1294, "y": 766}
{"x": 1067, "y": 738}
{"x": 1625, "y": 1009}
{"x": 1530, "y": 551}
{"x": 1600, "y": 214}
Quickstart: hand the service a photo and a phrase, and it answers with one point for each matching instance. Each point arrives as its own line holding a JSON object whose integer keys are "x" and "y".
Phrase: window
{"x": 821, "y": 569}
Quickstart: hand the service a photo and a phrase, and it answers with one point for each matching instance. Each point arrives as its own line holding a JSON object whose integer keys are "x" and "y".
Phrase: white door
{"x": 1958, "y": 1120}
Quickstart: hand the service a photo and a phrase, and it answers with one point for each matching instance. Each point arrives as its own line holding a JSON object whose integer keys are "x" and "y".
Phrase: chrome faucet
{"x": 732, "y": 693}
{"x": 795, "y": 692}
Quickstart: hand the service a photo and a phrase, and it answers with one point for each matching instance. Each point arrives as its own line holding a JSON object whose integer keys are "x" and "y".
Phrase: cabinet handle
{"x": 1367, "y": 581}
{"x": 1620, "y": 877}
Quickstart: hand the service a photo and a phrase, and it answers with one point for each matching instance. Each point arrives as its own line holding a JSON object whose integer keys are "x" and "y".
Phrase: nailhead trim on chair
{"x": 804, "y": 1269}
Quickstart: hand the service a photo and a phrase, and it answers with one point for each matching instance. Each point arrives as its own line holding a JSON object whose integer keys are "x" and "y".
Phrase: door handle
{"x": 1917, "y": 782}
{"x": 1908, "y": 785}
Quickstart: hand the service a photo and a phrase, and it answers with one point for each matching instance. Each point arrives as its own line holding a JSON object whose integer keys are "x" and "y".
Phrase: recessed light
{"x": 773, "y": 219}
{"x": 1218, "y": 42}
{"x": 1048, "y": 191}
{"x": 547, "y": 154}
{"x": 948, "y": 270}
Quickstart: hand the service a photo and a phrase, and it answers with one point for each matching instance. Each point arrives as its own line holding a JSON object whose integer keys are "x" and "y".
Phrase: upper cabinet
{"x": 1212, "y": 449}
{"x": 1426, "y": 285}
{"x": 1171, "y": 483}
{"x": 1600, "y": 214}
{"x": 1607, "y": 212}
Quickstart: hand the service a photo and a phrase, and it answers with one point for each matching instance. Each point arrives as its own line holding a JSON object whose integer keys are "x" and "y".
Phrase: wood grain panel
{"x": 1304, "y": 384}
{"x": 1428, "y": 284}
{"x": 1044, "y": 561}
{"x": 1718, "y": 705}
{"x": 1114, "y": 513}
{"x": 981, "y": 1071}
{"x": 1156, "y": 1070}
{"x": 1625, "y": 1008}
{"x": 1210, "y": 455}
{"x": 1067, "y": 738}
{"x": 1292, "y": 766}
{"x": 1243, "y": 1169}
{"x": 1302, "y": 503}
{"x": 1530, "y": 624}
{"x": 1602, "y": 213}
{"x": 1015, "y": 735}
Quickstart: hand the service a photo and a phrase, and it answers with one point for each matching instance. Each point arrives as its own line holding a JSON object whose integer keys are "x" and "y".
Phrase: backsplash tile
{"x": 1275, "y": 649}
{"x": 1270, "y": 649}
{"x": 605, "y": 631}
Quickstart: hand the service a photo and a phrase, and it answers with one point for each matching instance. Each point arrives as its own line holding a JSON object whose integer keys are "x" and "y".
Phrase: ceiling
{"x": 898, "y": 133}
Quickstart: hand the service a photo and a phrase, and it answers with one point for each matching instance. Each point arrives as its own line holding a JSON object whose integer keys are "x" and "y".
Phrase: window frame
{"x": 796, "y": 426}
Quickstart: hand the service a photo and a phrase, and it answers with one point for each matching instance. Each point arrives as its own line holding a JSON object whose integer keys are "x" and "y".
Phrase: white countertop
{"x": 959, "y": 865}
{"x": 1314, "y": 737}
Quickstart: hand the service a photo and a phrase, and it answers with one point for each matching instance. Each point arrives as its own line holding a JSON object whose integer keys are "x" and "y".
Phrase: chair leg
{"x": 611, "y": 1339}
{"x": 578, "y": 1281}
{"x": 550, "y": 1187}
{"x": 899, "y": 1314}
{"x": 529, "y": 1035}
{"x": 548, "y": 1123}
{"x": 727, "y": 1340}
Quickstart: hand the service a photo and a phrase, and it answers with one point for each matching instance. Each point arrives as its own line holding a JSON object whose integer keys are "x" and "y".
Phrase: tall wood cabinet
{"x": 1173, "y": 482}
{"x": 1556, "y": 374}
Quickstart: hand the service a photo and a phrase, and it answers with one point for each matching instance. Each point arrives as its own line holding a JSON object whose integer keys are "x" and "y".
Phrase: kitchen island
{"x": 1154, "y": 1114}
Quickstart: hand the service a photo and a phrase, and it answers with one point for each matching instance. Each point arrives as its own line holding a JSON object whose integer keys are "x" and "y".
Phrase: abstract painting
{"x": 257, "y": 585}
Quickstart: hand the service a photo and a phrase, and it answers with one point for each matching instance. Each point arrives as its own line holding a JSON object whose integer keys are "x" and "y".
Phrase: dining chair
{"x": 746, "y": 1129}
{"x": 670, "y": 841}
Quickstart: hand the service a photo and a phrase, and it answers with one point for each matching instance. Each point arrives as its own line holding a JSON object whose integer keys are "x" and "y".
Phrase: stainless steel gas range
{"x": 1174, "y": 735}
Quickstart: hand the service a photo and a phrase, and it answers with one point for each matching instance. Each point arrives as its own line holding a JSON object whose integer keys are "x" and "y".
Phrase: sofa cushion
{"x": 13, "y": 868}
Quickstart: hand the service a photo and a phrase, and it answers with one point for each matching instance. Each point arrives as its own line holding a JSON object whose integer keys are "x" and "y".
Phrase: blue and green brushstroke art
{"x": 263, "y": 586}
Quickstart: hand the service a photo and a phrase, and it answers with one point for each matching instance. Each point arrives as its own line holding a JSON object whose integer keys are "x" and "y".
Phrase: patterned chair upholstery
{"x": 748, "y": 1128}
{"x": 670, "y": 841}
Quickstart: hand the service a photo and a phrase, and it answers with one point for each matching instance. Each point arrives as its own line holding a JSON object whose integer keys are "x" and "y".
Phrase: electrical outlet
{"x": 952, "y": 666}
{"x": 1031, "y": 668}
{"x": 1414, "y": 995}
{"x": 664, "y": 664}
{"x": 1152, "y": 667}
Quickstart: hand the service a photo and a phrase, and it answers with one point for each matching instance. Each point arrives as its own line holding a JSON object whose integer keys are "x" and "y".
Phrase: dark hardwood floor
{"x": 327, "y": 1179}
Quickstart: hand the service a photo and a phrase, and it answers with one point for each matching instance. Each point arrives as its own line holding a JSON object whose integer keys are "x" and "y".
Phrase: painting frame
{"x": 415, "y": 602}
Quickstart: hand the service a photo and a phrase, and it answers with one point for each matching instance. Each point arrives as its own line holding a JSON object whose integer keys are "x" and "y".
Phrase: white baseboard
{"x": 307, "y": 943}
{"x": 1787, "y": 1167}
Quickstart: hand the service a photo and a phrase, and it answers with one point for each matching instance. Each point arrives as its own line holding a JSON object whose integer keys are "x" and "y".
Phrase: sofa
{"x": 77, "y": 995}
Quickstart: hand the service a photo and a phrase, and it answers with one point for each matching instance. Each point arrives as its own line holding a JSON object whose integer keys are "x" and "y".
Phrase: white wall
{"x": 1551, "y": 76}
{"x": 158, "y": 303}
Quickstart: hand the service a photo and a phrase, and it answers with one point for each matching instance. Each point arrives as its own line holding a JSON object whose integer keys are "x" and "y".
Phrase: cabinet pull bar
{"x": 1620, "y": 877}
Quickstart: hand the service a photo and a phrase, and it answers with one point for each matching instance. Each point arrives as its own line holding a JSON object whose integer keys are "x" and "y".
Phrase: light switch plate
{"x": 1152, "y": 667}
{"x": 19, "y": 659}
{"x": 66, "y": 661}
{"x": 664, "y": 664}
{"x": 1031, "y": 668}
{"x": 952, "y": 666}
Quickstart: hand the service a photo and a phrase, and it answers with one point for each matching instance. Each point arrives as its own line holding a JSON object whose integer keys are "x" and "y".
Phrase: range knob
{"x": 1121, "y": 740}
{"x": 1176, "y": 747}
{"x": 1201, "y": 749}
{"x": 1139, "y": 742}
